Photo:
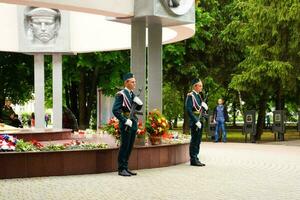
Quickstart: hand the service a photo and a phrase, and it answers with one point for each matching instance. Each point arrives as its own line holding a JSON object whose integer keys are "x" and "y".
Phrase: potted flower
{"x": 140, "y": 134}
{"x": 112, "y": 128}
{"x": 156, "y": 126}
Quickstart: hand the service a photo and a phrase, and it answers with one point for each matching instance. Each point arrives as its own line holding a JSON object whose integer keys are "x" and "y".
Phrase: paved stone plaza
{"x": 233, "y": 171}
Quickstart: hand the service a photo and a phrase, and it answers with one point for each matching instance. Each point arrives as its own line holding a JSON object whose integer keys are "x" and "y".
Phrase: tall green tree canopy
{"x": 16, "y": 77}
{"x": 269, "y": 31}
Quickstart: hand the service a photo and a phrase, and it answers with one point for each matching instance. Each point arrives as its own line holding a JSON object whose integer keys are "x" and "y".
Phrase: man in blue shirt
{"x": 220, "y": 117}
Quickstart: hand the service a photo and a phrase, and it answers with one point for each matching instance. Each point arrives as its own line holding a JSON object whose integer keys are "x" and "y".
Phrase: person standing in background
{"x": 220, "y": 117}
{"x": 47, "y": 118}
{"x": 9, "y": 116}
{"x": 32, "y": 120}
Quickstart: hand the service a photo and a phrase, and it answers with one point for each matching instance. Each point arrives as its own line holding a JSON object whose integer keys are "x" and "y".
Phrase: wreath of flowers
{"x": 10, "y": 143}
{"x": 112, "y": 128}
{"x": 156, "y": 124}
{"x": 7, "y": 143}
{"x": 141, "y": 132}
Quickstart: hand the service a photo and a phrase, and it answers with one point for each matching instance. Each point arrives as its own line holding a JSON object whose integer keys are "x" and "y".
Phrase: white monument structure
{"x": 57, "y": 27}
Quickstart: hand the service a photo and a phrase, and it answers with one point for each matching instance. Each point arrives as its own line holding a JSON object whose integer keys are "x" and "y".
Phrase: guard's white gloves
{"x": 128, "y": 123}
{"x": 138, "y": 101}
{"x": 204, "y": 105}
{"x": 198, "y": 124}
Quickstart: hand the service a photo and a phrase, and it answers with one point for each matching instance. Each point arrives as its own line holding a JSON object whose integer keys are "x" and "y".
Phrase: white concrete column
{"x": 57, "y": 91}
{"x": 154, "y": 66}
{"x": 39, "y": 99}
{"x": 138, "y": 56}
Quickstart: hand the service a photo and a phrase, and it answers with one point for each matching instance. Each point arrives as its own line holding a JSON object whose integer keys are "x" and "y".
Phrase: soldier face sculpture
{"x": 43, "y": 24}
{"x": 178, "y": 7}
{"x": 43, "y": 28}
{"x": 174, "y": 3}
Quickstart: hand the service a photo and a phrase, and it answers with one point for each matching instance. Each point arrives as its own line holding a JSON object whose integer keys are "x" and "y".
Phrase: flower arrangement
{"x": 177, "y": 138}
{"x": 22, "y": 146}
{"x": 10, "y": 143}
{"x": 156, "y": 124}
{"x": 141, "y": 132}
{"x": 36, "y": 144}
{"x": 7, "y": 143}
{"x": 167, "y": 136}
{"x": 74, "y": 145}
{"x": 112, "y": 128}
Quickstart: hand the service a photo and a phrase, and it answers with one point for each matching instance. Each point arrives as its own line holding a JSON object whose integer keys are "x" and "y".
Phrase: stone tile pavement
{"x": 286, "y": 143}
{"x": 234, "y": 171}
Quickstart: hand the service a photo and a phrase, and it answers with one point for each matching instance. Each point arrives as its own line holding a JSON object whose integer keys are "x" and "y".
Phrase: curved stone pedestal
{"x": 60, "y": 163}
{"x": 40, "y": 134}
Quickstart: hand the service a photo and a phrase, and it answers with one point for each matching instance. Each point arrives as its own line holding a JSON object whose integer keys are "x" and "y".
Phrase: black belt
{"x": 126, "y": 114}
{"x": 196, "y": 112}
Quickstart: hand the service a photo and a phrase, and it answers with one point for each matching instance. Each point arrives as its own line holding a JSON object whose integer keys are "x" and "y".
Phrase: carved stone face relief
{"x": 42, "y": 25}
{"x": 173, "y": 3}
{"x": 178, "y": 7}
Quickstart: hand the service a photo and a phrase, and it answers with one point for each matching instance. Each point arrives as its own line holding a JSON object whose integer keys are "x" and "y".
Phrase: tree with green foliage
{"x": 173, "y": 104}
{"x": 84, "y": 73}
{"x": 208, "y": 55}
{"x": 269, "y": 30}
{"x": 182, "y": 62}
{"x": 16, "y": 77}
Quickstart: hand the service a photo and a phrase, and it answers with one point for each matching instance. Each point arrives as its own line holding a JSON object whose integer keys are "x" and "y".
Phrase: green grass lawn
{"x": 266, "y": 137}
{"x": 237, "y": 136}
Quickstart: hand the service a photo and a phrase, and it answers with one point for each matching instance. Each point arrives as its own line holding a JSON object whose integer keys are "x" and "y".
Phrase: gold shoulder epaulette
{"x": 189, "y": 94}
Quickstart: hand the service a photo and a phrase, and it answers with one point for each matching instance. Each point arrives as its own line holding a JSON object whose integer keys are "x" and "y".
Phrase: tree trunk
{"x": 279, "y": 98}
{"x": 175, "y": 123}
{"x": 67, "y": 95}
{"x": 279, "y": 102}
{"x": 2, "y": 102}
{"x": 82, "y": 100}
{"x": 261, "y": 115}
{"x": 186, "y": 120}
{"x": 91, "y": 100}
{"x": 234, "y": 113}
{"x": 74, "y": 99}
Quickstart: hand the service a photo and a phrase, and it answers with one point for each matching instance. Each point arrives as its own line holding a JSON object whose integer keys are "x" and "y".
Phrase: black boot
{"x": 197, "y": 163}
{"x": 131, "y": 173}
{"x": 124, "y": 173}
